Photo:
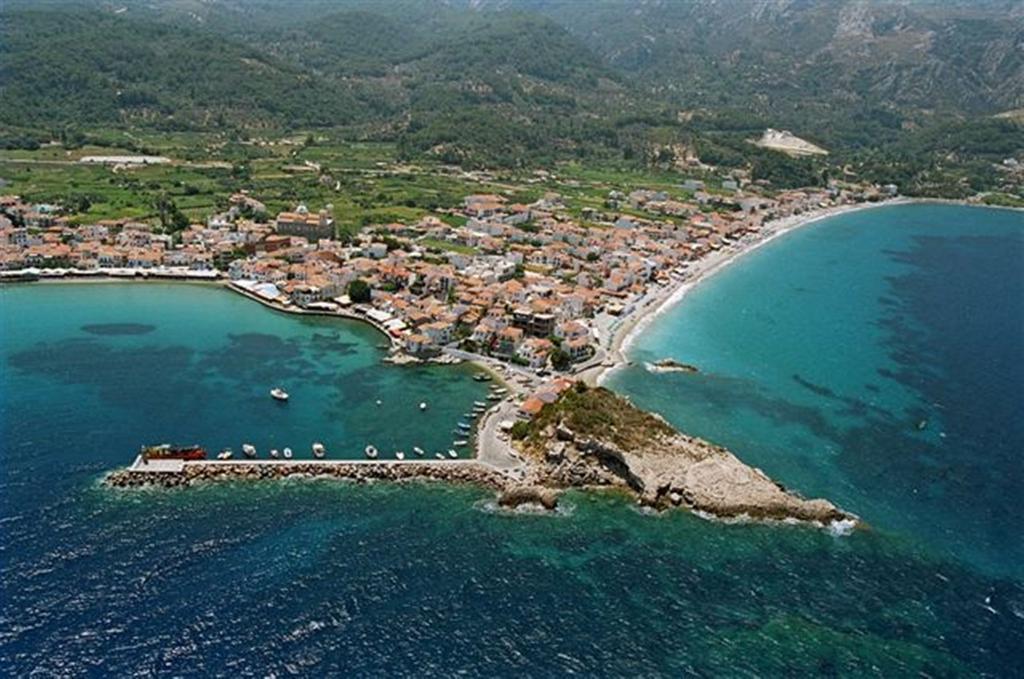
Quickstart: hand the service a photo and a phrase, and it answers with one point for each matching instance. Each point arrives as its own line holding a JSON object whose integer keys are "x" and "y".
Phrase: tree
{"x": 359, "y": 291}
{"x": 171, "y": 218}
{"x": 560, "y": 360}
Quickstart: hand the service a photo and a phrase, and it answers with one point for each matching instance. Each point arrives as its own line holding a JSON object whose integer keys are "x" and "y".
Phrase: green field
{"x": 364, "y": 183}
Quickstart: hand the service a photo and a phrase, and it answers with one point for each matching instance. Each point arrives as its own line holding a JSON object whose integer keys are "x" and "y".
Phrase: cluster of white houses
{"x": 519, "y": 282}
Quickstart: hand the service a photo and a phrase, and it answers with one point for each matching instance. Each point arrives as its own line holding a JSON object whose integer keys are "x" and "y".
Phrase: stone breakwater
{"x": 193, "y": 473}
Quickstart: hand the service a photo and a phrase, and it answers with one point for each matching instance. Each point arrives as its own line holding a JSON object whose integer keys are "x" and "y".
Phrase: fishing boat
{"x": 287, "y": 452}
{"x": 225, "y": 454}
{"x": 452, "y": 454}
{"x": 249, "y": 450}
{"x": 417, "y": 450}
{"x": 166, "y": 451}
{"x": 279, "y": 394}
{"x": 319, "y": 451}
{"x": 423, "y": 405}
{"x": 400, "y": 455}
{"x": 274, "y": 454}
{"x": 371, "y": 452}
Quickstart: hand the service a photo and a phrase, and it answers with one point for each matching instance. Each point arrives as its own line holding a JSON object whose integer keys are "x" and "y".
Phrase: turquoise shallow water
{"x": 876, "y": 359}
{"x": 193, "y": 363}
{"x": 315, "y": 577}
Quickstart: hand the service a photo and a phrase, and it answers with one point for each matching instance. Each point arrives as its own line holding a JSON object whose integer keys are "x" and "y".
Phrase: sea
{"x": 874, "y": 358}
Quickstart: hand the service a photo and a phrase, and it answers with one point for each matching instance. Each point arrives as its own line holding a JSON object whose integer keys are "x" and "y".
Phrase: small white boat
{"x": 274, "y": 454}
{"x": 279, "y": 393}
{"x": 225, "y": 454}
{"x": 460, "y": 443}
{"x": 249, "y": 450}
{"x": 423, "y": 405}
{"x": 400, "y": 455}
{"x": 479, "y": 404}
{"x": 379, "y": 401}
{"x": 452, "y": 453}
{"x": 371, "y": 452}
{"x": 439, "y": 456}
{"x": 287, "y": 452}
{"x": 417, "y": 450}
{"x": 318, "y": 450}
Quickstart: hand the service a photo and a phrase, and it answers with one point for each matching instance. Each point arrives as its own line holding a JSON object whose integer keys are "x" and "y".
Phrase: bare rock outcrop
{"x": 529, "y": 495}
{"x": 594, "y": 438}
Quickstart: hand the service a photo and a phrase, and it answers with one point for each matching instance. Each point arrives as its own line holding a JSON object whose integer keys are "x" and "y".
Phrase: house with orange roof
{"x": 531, "y": 407}
{"x": 535, "y": 351}
{"x": 578, "y": 348}
{"x": 417, "y": 344}
{"x": 508, "y": 342}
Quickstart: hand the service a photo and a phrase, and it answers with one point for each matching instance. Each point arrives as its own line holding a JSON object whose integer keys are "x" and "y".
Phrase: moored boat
{"x": 452, "y": 453}
{"x": 460, "y": 443}
{"x": 439, "y": 456}
{"x": 371, "y": 452}
{"x": 319, "y": 451}
{"x": 249, "y": 450}
{"x": 225, "y": 454}
{"x": 274, "y": 454}
{"x": 287, "y": 452}
{"x": 166, "y": 451}
{"x": 400, "y": 455}
{"x": 419, "y": 451}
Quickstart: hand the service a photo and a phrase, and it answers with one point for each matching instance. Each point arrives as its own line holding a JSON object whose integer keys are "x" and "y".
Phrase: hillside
{"x": 881, "y": 85}
{"x": 82, "y": 68}
{"x": 794, "y": 60}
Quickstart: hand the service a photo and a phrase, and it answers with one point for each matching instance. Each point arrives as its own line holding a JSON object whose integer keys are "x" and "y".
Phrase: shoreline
{"x": 273, "y": 306}
{"x": 655, "y": 303}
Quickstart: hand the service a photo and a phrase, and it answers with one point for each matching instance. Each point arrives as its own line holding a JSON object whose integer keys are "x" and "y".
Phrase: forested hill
{"x": 493, "y": 86}
{"x": 97, "y": 68}
{"x": 905, "y": 85}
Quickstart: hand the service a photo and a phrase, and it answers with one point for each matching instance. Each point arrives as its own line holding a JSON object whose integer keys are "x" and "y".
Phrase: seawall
{"x": 177, "y": 473}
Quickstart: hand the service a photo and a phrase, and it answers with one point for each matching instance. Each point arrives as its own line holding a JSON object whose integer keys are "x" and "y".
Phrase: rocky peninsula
{"x": 592, "y": 437}
{"x": 589, "y": 438}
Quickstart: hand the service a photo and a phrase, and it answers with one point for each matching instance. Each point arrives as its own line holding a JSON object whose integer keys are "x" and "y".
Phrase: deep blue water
{"x": 821, "y": 355}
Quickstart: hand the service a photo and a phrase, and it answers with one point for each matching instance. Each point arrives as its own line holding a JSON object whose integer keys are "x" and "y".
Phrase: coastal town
{"x": 532, "y": 286}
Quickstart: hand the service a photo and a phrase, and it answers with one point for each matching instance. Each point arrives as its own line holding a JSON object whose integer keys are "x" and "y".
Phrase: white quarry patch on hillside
{"x": 787, "y": 142}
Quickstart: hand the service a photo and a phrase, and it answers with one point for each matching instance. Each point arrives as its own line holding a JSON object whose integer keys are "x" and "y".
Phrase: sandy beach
{"x": 626, "y": 329}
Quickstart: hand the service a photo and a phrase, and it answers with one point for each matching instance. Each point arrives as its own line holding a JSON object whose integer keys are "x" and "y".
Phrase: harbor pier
{"x": 177, "y": 473}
